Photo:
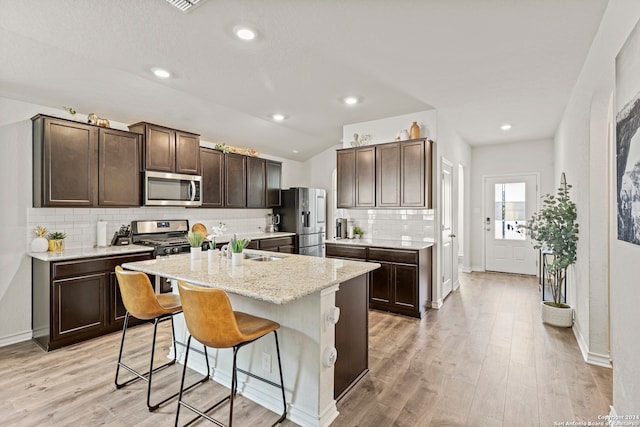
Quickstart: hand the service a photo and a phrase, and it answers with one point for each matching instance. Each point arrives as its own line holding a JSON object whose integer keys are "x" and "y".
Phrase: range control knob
{"x": 175, "y": 250}
{"x": 167, "y": 250}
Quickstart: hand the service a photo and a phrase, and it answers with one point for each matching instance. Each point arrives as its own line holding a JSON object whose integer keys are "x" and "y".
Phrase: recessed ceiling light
{"x": 295, "y": 151}
{"x": 278, "y": 117}
{"x": 351, "y": 100}
{"x": 160, "y": 72}
{"x": 505, "y": 127}
{"x": 244, "y": 33}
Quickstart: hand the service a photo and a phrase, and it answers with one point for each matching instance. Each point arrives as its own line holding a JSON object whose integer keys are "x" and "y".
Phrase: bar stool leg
{"x": 284, "y": 400}
{"x": 124, "y": 331}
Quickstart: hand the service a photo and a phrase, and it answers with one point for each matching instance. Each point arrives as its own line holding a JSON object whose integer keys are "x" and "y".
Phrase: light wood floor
{"x": 484, "y": 359}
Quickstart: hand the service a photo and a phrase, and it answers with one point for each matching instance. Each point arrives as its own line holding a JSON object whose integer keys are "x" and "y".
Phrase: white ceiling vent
{"x": 185, "y": 5}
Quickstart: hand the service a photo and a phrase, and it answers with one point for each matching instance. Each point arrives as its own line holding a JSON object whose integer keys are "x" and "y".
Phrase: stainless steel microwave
{"x": 171, "y": 189}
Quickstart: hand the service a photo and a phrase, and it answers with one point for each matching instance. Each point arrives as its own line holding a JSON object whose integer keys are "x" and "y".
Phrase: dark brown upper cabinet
{"x": 256, "y": 182}
{"x": 274, "y": 183}
{"x": 118, "y": 168}
{"x": 239, "y": 181}
{"x": 346, "y": 179}
{"x": 366, "y": 177}
{"x": 76, "y": 164}
{"x": 395, "y": 174}
{"x": 212, "y": 170}
{"x": 356, "y": 177}
{"x": 388, "y": 175}
{"x": 169, "y": 150}
{"x": 235, "y": 180}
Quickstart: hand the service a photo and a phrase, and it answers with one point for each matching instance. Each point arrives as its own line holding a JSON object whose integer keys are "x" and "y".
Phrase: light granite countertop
{"x": 383, "y": 243}
{"x": 279, "y": 282}
{"x": 224, "y": 238}
{"x": 77, "y": 253}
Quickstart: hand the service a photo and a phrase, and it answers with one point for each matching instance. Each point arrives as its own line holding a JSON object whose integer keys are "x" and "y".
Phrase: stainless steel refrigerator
{"x": 303, "y": 212}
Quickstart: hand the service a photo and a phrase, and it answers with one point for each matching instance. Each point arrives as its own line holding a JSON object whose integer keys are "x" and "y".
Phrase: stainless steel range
{"x": 167, "y": 237}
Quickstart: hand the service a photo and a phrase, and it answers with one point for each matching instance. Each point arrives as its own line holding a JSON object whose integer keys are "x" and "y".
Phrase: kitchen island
{"x": 301, "y": 294}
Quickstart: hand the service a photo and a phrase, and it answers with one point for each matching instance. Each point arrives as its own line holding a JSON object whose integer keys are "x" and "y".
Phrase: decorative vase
{"x": 404, "y": 135}
{"x": 212, "y": 255}
{"x": 56, "y": 245}
{"x": 414, "y": 131}
{"x": 195, "y": 253}
{"x": 556, "y": 316}
{"x": 39, "y": 244}
{"x": 236, "y": 258}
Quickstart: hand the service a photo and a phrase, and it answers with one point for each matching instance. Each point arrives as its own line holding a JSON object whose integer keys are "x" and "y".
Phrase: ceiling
{"x": 483, "y": 63}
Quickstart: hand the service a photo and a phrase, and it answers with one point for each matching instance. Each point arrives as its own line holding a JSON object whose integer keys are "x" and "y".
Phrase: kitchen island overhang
{"x": 299, "y": 292}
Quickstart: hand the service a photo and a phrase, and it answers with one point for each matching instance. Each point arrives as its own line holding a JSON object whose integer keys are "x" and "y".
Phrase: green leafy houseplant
{"x": 554, "y": 227}
{"x": 195, "y": 239}
{"x": 56, "y": 235}
{"x": 357, "y": 230}
{"x": 238, "y": 245}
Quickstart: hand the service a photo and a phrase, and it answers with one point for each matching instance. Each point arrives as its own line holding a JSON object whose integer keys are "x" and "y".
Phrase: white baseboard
{"x": 592, "y": 358}
{"x": 15, "y": 338}
{"x": 456, "y": 285}
{"x": 477, "y": 268}
{"x": 437, "y": 304}
{"x": 466, "y": 269}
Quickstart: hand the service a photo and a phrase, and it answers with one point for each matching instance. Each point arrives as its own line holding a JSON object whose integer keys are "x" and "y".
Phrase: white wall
{"x": 580, "y": 141}
{"x": 505, "y": 159}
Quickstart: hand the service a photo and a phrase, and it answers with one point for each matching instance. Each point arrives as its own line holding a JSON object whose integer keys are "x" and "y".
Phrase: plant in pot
{"x": 554, "y": 228}
{"x": 195, "y": 241}
{"x": 237, "y": 247}
{"x": 56, "y": 241}
{"x": 358, "y": 232}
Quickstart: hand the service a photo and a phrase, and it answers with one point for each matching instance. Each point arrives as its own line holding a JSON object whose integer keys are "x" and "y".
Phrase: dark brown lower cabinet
{"x": 274, "y": 244}
{"x": 75, "y": 300}
{"x": 402, "y": 282}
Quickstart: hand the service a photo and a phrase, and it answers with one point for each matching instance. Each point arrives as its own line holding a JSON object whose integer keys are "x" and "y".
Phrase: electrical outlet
{"x": 266, "y": 362}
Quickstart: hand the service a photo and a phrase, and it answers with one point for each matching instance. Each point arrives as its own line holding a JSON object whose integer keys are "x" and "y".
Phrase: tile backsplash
{"x": 394, "y": 224}
{"x": 80, "y": 224}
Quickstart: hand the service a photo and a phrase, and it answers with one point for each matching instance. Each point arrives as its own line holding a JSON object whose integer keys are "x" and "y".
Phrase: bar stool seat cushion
{"x": 213, "y": 322}
{"x": 140, "y": 299}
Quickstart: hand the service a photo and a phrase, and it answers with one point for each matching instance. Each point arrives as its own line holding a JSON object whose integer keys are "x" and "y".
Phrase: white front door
{"x": 509, "y": 203}
{"x": 447, "y": 228}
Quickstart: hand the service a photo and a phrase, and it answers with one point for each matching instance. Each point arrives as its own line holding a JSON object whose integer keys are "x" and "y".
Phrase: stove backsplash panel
{"x": 80, "y": 224}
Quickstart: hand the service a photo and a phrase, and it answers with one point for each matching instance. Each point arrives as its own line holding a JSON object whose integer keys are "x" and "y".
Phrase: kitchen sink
{"x": 258, "y": 257}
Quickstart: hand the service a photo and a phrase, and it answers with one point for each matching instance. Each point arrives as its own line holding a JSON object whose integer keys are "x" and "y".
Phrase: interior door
{"x": 509, "y": 202}
{"x": 447, "y": 228}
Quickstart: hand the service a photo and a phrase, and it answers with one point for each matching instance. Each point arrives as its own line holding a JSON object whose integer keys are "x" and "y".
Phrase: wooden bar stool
{"x": 141, "y": 301}
{"x": 211, "y": 321}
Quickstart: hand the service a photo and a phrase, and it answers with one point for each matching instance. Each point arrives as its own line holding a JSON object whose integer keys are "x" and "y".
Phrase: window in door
{"x": 510, "y": 214}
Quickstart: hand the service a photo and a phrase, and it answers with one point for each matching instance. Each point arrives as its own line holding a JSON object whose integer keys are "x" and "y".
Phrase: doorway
{"x": 447, "y": 228}
{"x": 508, "y": 203}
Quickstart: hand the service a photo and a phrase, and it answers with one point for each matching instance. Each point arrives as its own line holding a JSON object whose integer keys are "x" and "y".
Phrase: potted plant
{"x": 555, "y": 229}
{"x": 195, "y": 241}
{"x": 237, "y": 247}
{"x": 56, "y": 241}
{"x": 357, "y": 232}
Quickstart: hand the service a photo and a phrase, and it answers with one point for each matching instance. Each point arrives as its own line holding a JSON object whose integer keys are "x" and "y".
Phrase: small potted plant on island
{"x": 56, "y": 241}
{"x": 237, "y": 248}
{"x": 554, "y": 228}
{"x": 357, "y": 232}
{"x": 195, "y": 241}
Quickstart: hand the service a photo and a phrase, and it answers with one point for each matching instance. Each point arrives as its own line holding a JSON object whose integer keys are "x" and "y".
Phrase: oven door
{"x": 171, "y": 189}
